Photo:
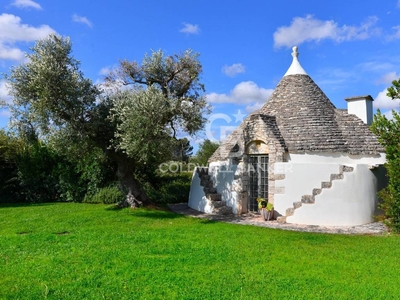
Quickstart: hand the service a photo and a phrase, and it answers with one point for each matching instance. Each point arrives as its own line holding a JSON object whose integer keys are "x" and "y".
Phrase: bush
{"x": 389, "y": 136}
{"x": 8, "y": 169}
{"x": 106, "y": 195}
{"x": 37, "y": 177}
{"x": 169, "y": 188}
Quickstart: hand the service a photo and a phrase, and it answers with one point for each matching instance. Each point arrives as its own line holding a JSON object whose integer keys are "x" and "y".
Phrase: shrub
{"x": 389, "y": 136}
{"x": 36, "y": 172}
{"x": 106, "y": 195}
{"x": 8, "y": 168}
{"x": 169, "y": 188}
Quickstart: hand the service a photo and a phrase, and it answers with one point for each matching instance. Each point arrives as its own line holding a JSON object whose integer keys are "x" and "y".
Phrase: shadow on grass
{"x": 208, "y": 221}
{"x": 156, "y": 214}
{"x": 26, "y": 204}
{"x": 149, "y": 212}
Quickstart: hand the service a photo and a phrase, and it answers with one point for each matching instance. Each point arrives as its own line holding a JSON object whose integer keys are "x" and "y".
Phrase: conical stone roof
{"x": 308, "y": 121}
{"x": 305, "y": 116}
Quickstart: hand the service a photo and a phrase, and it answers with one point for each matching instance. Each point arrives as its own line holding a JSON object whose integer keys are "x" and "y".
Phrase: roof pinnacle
{"x": 295, "y": 67}
{"x": 295, "y": 53}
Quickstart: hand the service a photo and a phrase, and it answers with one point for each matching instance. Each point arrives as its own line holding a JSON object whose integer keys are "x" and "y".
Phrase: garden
{"x": 95, "y": 251}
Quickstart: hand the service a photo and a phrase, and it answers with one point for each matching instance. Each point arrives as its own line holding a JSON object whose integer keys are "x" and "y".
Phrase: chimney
{"x": 361, "y": 106}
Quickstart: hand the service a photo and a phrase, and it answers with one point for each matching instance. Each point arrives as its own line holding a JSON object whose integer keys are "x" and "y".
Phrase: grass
{"x": 86, "y": 251}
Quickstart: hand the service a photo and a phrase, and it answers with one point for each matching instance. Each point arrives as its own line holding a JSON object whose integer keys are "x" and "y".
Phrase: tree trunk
{"x": 135, "y": 194}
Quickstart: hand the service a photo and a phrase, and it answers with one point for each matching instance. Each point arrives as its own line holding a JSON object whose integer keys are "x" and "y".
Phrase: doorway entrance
{"x": 258, "y": 180}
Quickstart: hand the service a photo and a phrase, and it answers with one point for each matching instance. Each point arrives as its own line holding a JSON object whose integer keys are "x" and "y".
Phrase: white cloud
{"x": 233, "y": 70}
{"x": 4, "y": 92}
{"x": 26, "y": 4}
{"x": 190, "y": 28}
{"x": 382, "y": 101}
{"x": 246, "y": 92}
{"x": 13, "y": 31}
{"x": 311, "y": 29}
{"x": 376, "y": 66}
{"x": 388, "y": 114}
{"x": 388, "y": 78}
{"x": 80, "y": 19}
{"x": 254, "y": 107}
{"x": 5, "y": 113}
{"x": 105, "y": 71}
{"x": 395, "y": 35}
{"x": 11, "y": 53}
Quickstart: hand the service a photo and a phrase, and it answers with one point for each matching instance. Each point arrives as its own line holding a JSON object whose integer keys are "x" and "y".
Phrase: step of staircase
{"x": 310, "y": 199}
{"x": 212, "y": 195}
{"x": 281, "y": 219}
{"x": 297, "y": 204}
{"x": 223, "y": 210}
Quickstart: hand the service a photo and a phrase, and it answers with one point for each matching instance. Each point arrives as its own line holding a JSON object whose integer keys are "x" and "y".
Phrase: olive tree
{"x": 134, "y": 126}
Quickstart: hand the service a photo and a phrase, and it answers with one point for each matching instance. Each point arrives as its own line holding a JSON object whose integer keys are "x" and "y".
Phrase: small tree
{"x": 182, "y": 150}
{"x": 388, "y": 131}
{"x": 206, "y": 149}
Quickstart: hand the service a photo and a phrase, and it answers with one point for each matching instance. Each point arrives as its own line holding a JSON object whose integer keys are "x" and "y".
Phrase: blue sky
{"x": 348, "y": 47}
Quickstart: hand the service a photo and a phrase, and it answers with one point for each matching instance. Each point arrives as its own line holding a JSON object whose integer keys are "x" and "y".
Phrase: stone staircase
{"x": 219, "y": 206}
{"x": 310, "y": 199}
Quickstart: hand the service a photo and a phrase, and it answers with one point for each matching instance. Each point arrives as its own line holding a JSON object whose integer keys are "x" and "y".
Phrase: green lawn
{"x": 84, "y": 251}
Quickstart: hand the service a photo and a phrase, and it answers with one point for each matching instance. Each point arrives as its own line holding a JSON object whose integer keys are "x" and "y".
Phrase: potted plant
{"x": 266, "y": 209}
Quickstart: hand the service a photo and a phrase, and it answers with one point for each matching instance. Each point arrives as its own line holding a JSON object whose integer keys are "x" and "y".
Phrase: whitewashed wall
{"x": 337, "y": 158}
{"x": 350, "y": 201}
{"x": 300, "y": 179}
{"x": 197, "y": 197}
{"x": 223, "y": 176}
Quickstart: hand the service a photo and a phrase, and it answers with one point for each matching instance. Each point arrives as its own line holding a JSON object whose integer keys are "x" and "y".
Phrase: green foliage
{"x": 8, "y": 168}
{"x": 388, "y": 132}
{"x": 106, "y": 195}
{"x": 49, "y": 91}
{"x": 83, "y": 251}
{"x": 141, "y": 131}
{"x": 170, "y": 188}
{"x": 206, "y": 149}
{"x": 164, "y": 99}
{"x": 394, "y": 90}
{"x": 134, "y": 129}
{"x": 35, "y": 172}
{"x": 182, "y": 150}
{"x": 262, "y": 203}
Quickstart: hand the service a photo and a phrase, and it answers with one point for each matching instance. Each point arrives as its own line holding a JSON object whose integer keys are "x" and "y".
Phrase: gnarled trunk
{"x": 135, "y": 194}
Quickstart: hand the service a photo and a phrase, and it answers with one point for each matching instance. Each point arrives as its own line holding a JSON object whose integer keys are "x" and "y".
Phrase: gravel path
{"x": 376, "y": 228}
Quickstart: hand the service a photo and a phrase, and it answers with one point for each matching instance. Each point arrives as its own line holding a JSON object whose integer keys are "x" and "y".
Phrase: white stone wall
{"x": 227, "y": 180}
{"x": 197, "y": 197}
{"x": 337, "y": 158}
{"x": 350, "y": 201}
{"x": 300, "y": 179}
{"x": 362, "y": 108}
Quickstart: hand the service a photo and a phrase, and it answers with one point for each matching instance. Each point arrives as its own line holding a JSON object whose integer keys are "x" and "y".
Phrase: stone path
{"x": 376, "y": 228}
